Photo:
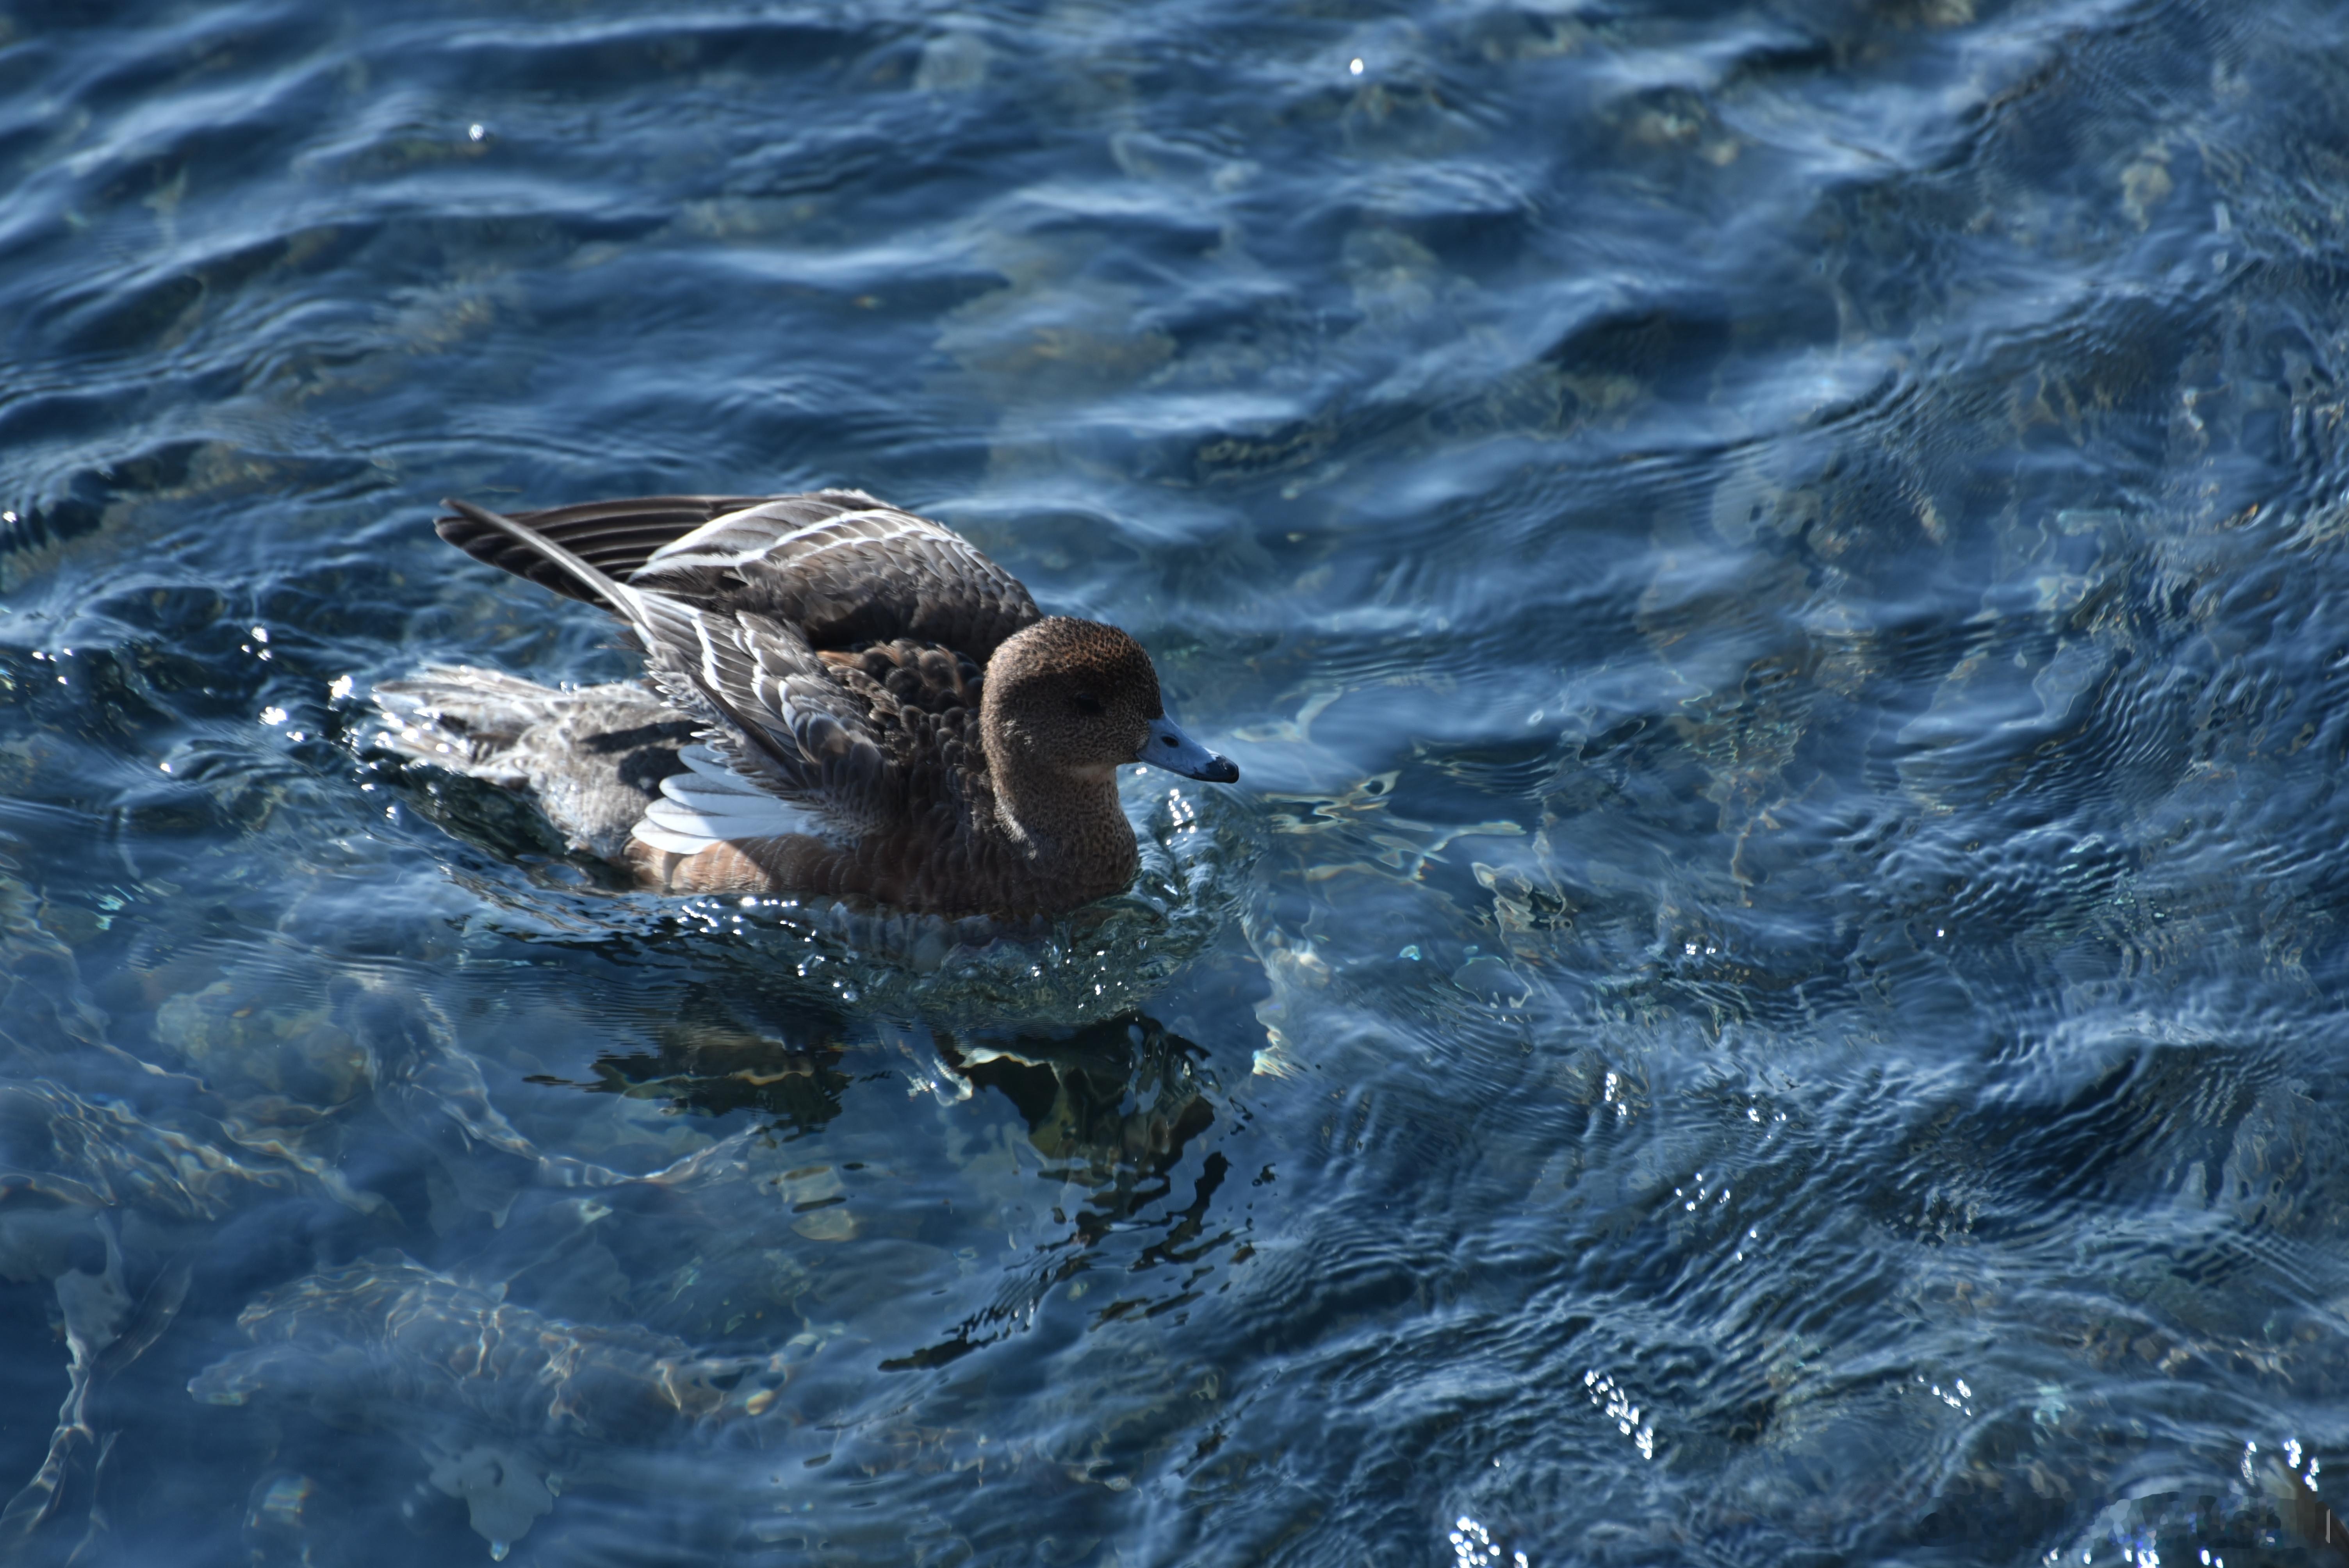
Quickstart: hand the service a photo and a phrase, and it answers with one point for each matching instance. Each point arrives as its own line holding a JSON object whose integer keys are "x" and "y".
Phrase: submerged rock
{"x": 501, "y": 1402}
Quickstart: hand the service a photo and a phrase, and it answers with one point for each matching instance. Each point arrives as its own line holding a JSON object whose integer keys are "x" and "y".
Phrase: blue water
{"x": 1771, "y": 992}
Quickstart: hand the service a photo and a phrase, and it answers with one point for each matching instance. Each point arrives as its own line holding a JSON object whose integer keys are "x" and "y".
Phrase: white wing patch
{"x": 712, "y": 804}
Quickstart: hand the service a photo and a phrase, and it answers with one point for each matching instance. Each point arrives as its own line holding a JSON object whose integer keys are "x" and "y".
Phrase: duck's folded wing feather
{"x": 776, "y": 713}
{"x": 846, "y": 575}
{"x": 616, "y": 537}
{"x": 710, "y": 804}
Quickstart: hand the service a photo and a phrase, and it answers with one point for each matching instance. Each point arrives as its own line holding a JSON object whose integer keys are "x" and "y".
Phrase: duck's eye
{"x": 1088, "y": 703}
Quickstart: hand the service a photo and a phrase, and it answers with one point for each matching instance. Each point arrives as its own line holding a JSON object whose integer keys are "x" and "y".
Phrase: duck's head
{"x": 1080, "y": 698}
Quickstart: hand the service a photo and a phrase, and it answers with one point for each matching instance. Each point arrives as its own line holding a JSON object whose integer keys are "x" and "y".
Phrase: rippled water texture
{"x": 1771, "y": 992}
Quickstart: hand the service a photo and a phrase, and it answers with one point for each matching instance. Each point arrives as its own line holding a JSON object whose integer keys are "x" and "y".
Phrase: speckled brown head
{"x": 1078, "y": 698}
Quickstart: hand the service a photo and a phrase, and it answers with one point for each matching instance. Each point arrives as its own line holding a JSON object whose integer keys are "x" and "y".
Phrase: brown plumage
{"x": 884, "y": 713}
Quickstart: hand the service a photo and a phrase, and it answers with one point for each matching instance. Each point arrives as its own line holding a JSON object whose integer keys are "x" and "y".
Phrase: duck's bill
{"x": 1167, "y": 747}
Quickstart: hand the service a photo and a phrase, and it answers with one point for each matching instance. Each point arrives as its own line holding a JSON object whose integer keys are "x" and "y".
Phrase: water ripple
{"x": 1768, "y": 996}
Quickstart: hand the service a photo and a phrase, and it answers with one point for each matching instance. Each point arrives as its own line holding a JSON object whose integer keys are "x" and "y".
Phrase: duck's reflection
{"x": 709, "y": 1062}
{"x": 1113, "y": 1105}
{"x": 1114, "y": 1108}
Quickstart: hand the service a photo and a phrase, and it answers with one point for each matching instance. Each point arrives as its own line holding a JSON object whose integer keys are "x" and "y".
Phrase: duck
{"x": 841, "y": 700}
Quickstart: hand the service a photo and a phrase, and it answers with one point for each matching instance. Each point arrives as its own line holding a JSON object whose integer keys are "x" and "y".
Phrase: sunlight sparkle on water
{"x": 1473, "y": 1546}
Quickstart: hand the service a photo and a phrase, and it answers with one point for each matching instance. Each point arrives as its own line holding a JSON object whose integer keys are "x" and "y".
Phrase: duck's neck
{"x": 1069, "y": 829}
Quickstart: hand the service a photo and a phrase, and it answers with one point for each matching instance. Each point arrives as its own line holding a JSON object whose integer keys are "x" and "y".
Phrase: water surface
{"x": 1769, "y": 994}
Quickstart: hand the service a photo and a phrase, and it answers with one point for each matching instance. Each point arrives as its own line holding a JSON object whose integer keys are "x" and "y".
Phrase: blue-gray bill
{"x": 1167, "y": 747}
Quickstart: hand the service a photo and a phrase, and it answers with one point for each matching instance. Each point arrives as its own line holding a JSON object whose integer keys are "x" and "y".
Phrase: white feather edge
{"x": 693, "y": 549}
{"x": 710, "y": 804}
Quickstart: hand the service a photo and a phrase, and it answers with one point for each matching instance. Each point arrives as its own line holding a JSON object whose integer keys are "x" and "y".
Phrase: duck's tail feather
{"x": 467, "y": 719}
{"x": 590, "y": 760}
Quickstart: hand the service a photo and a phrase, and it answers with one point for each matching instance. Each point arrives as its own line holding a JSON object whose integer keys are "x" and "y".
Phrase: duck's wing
{"x": 616, "y": 537}
{"x": 772, "y": 707}
{"x": 841, "y": 566}
{"x": 848, "y": 571}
